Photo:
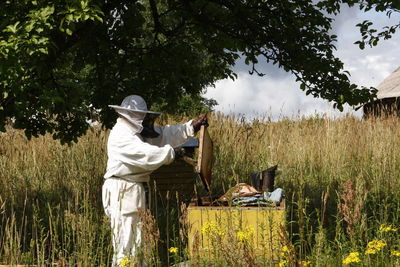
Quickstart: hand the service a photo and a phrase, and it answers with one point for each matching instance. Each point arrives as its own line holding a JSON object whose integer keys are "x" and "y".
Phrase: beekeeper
{"x": 135, "y": 149}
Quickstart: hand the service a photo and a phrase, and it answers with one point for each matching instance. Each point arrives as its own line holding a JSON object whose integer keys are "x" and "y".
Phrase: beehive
{"x": 179, "y": 177}
{"x": 176, "y": 178}
{"x": 264, "y": 223}
{"x": 261, "y": 224}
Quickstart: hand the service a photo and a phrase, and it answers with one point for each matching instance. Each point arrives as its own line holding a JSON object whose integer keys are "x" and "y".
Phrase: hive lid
{"x": 205, "y": 159}
{"x": 194, "y": 142}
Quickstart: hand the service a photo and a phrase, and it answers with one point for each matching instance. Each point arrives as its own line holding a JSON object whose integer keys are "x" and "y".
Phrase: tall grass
{"x": 341, "y": 179}
{"x": 51, "y": 204}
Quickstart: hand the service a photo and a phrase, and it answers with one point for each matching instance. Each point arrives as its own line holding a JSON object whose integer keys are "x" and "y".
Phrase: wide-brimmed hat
{"x": 133, "y": 103}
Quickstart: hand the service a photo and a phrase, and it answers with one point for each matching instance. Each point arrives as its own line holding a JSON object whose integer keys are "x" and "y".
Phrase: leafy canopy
{"x": 62, "y": 62}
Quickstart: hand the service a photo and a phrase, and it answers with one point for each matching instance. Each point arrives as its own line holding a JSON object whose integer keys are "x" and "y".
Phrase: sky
{"x": 276, "y": 95}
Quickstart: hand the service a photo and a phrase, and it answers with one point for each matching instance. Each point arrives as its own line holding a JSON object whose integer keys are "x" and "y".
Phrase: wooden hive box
{"x": 263, "y": 224}
{"x": 177, "y": 178}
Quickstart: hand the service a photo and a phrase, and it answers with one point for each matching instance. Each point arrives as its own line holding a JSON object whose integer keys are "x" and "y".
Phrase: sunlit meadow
{"x": 341, "y": 179}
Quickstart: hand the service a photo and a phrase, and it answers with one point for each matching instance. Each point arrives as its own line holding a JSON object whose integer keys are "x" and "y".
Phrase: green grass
{"x": 50, "y": 195}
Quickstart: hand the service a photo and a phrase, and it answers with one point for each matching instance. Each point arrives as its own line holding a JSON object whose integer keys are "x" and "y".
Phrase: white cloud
{"x": 277, "y": 95}
{"x": 274, "y": 98}
{"x": 370, "y": 66}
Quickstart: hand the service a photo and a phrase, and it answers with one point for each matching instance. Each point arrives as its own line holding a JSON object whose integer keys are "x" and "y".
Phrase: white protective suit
{"x": 131, "y": 159}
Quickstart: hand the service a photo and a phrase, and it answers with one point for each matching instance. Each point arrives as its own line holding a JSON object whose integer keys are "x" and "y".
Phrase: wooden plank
{"x": 205, "y": 160}
{"x": 179, "y": 177}
{"x": 183, "y": 175}
{"x": 173, "y": 181}
{"x": 174, "y": 188}
{"x": 175, "y": 167}
{"x": 184, "y": 192}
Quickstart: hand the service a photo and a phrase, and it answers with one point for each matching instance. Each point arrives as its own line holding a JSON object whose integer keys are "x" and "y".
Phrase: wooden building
{"x": 388, "y": 97}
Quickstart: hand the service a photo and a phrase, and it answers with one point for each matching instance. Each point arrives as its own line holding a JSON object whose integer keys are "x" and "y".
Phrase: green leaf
{"x": 43, "y": 51}
{"x": 47, "y": 11}
{"x": 29, "y": 26}
{"x": 98, "y": 18}
{"x": 69, "y": 17}
{"x": 13, "y": 28}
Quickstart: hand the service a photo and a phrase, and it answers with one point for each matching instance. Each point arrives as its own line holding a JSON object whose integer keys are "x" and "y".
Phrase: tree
{"x": 62, "y": 61}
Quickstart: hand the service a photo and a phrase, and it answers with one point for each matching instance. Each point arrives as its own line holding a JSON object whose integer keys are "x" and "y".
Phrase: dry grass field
{"x": 341, "y": 178}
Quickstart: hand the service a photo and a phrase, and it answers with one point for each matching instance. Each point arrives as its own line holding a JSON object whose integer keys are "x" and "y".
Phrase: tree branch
{"x": 154, "y": 12}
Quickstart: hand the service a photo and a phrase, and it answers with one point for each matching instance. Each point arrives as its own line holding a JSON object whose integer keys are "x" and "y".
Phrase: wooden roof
{"x": 390, "y": 87}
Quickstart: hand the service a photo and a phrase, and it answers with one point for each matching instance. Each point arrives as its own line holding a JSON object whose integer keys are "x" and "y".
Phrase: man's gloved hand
{"x": 179, "y": 152}
{"x": 202, "y": 120}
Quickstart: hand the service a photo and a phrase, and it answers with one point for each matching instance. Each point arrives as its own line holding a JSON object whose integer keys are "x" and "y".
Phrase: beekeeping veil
{"x": 134, "y": 109}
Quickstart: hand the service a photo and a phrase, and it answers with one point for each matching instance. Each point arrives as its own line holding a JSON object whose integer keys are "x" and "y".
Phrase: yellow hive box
{"x": 258, "y": 226}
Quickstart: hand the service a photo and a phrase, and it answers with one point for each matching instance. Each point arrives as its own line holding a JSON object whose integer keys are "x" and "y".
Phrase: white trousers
{"x": 121, "y": 201}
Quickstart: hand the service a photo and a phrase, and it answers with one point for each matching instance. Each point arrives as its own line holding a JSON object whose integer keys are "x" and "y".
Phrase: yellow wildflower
{"x": 395, "y": 253}
{"x": 284, "y": 251}
{"x": 282, "y": 263}
{"x": 376, "y": 244}
{"x": 210, "y": 228}
{"x": 207, "y": 227}
{"x": 245, "y": 235}
{"x": 125, "y": 261}
{"x": 371, "y": 251}
{"x": 173, "y": 250}
{"x": 305, "y": 263}
{"x": 387, "y": 228}
{"x": 241, "y": 236}
{"x": 353, "y": 257}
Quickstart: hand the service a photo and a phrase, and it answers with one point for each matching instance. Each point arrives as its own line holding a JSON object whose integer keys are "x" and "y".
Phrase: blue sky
{"x": 277, "y": 95}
